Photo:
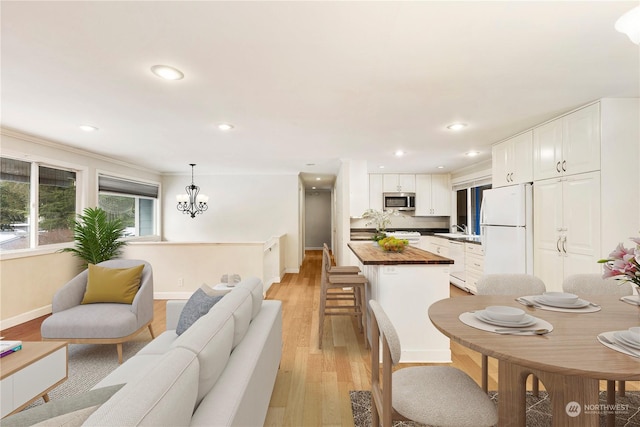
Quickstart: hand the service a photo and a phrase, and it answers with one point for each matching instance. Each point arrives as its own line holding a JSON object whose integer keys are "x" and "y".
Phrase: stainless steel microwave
{"x": 399, "y": 201}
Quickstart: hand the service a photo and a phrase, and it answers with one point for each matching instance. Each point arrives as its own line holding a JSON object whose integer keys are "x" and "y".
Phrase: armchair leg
{"x": 119, "y": 347}
{"x": 153, "y": 336}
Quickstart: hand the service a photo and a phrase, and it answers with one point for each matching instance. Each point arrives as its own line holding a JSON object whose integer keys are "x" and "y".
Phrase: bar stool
{"x": 342, "y": 269}
{"x": 341, "y": 295}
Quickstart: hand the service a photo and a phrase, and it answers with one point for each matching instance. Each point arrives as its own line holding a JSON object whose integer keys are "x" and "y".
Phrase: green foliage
{"x": 57, "y": 207}
{"x": 96, "y": 237}
{"x": 14, "y": 202}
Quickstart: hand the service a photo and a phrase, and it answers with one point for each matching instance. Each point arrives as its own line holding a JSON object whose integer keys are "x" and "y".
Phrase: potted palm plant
{"x": 97, "y": 238}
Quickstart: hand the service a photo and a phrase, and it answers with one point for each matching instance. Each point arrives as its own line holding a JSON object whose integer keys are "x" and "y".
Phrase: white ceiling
{"x": 305, "y": 82}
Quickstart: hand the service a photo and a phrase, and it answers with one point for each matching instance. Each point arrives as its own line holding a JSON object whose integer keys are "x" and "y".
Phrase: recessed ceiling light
{"x": 472, "y": 153}
{"x": 167, "y": 73}
{"x": 457, "y": 126}
{"x": 313, "y": 188}
{"x": 399, "y": 153}
{"x": 318, "y": 179}
{"x": 440, "y": 167}
{"x": 381, "y": 166}
{"x": 88, "y": 128}
{"x": 225, "y": 126}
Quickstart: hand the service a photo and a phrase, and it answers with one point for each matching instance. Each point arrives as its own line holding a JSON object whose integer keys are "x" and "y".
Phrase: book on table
{"x": 8, "y": 347}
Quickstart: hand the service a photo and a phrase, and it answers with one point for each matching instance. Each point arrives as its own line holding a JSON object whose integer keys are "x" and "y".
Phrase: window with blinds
{"x": 135, "y": 203}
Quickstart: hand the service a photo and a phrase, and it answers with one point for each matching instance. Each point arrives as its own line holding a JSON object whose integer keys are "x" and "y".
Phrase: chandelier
{"x": 192, "y": 203}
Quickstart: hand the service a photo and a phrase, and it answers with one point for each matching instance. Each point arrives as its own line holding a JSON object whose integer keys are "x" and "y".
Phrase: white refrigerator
{"x": 506, "y": 225}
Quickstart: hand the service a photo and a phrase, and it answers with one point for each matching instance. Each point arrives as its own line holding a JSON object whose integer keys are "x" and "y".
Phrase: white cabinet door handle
{"x": 564, "y": 165}
{"x": 558, "y": 167}
{"x": 558, "y": 244}
{"x": 564, "y": 248}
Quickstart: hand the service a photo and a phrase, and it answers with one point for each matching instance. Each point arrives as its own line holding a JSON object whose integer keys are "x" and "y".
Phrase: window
{"x": 469, "y": 201}
{"x": 135, "y": 203}
{"x": 52, "y": 194}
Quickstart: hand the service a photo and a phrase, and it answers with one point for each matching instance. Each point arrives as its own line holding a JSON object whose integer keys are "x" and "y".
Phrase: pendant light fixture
{"x": 192, "y": 203}
{"x": 629, "y": 24}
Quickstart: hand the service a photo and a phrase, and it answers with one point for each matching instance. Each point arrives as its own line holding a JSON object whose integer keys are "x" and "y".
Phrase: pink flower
{"x": 624, "y": 263}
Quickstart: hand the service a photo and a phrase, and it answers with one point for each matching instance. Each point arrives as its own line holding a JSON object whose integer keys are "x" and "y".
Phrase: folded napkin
{"x": 631, "y": 299}
{"x": 610, "y": 337}
{"x": 542, "y": 306}
{"x": 469, "y": 319}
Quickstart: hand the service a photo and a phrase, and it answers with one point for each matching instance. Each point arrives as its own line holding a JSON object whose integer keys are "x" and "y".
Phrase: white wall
{"x": 242, "y": 208}
{"x": 619, "y": 173}
{"x": 317, "y": 219}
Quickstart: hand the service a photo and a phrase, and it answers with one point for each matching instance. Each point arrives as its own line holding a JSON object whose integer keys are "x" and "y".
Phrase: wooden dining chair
{"x": 432, "y": 395}
{"x": 341, "y": 295}
{"x": 508, "y": 284}
{"x": 594, "y": 284}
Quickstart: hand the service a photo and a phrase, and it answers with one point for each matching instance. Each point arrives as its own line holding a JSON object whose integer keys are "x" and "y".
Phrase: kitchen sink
{"x": 474, "y": 237}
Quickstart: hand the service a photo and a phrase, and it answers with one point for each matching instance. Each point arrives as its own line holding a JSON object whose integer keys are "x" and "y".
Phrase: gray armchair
{"x": 100, "y": 323}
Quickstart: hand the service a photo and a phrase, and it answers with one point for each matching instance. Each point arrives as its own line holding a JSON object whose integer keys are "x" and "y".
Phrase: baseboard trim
{"x": 25, "y": 317}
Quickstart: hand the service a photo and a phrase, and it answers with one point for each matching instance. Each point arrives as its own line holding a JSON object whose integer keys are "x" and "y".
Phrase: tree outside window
{"x": 55, "y": 208}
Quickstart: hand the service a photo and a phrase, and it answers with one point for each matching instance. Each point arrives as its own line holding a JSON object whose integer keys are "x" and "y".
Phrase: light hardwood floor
{"x": 312, "y": 386}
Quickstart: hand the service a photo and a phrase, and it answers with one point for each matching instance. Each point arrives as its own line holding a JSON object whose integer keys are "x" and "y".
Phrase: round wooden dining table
{"x": 569, "y": 360}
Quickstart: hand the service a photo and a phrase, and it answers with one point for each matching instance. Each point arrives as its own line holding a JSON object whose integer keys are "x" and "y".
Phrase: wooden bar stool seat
{"x": 342, "y": 295}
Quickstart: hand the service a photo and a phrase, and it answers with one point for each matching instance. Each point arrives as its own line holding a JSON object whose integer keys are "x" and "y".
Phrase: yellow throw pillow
{"x": 118, "y": 285}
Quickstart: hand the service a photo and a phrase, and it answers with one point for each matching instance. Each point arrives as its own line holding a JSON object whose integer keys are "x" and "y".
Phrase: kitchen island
{"x": 406, "y": 284}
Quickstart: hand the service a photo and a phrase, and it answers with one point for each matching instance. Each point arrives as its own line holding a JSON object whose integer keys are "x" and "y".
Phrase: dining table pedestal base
{"x": 574, "y": 399}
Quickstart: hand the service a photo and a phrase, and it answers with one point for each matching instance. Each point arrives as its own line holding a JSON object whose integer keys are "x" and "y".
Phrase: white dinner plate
{"x": 578, "y": 304}
{"x": 527, "y": 321}
{"x": 627, "y": 338}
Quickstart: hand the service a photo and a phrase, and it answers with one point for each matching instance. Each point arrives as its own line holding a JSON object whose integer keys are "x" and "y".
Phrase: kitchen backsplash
{"x": 407, "y": 222}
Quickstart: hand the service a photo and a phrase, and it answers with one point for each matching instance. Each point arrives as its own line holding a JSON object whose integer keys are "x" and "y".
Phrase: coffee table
{"x": 31, "y": 373}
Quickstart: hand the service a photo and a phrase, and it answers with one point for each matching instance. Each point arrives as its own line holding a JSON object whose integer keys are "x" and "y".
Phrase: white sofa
{"x": 219, "y": 372}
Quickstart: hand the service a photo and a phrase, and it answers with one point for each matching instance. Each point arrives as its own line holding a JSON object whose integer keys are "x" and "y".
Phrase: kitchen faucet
{"x": 462, "y": 228}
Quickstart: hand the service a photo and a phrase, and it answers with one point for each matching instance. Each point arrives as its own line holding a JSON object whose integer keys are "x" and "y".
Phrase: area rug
{"x": 538, "y": 409}
{"x": 88, "y": 364}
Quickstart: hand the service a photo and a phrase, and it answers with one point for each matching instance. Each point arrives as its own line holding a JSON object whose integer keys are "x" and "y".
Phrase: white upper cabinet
{"x": 394, "y": 183}
{"x": 513, "y": 160}
{"x": 375, "y": 191}
{"x": 433, "y": 195}
{"x": 568, "y": 145}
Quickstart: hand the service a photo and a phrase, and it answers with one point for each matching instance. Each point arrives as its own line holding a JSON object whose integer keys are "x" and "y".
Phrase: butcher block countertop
{"x": 370, "y": 254}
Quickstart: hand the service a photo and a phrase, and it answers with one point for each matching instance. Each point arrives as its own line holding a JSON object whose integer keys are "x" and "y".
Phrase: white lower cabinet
{"x": 474, "y": 266}
{"x": 566, "y": 228}
{"x": 439, "y": 246}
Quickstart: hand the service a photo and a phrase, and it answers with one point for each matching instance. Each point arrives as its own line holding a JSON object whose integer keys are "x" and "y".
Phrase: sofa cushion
{"x": 210, "y": 338}
{"x": 131, "y": 370}
{"x": 198, "y": 305}
{"x": 87, "y": 321}
{"x": 118, "y": 285}
{"x": 164, "y": 397}
{"x": 238, "y": 302}
{"x": 55, "y": 408}
{"x": 254, "y": 285}
{"x": 160, "y": 345}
